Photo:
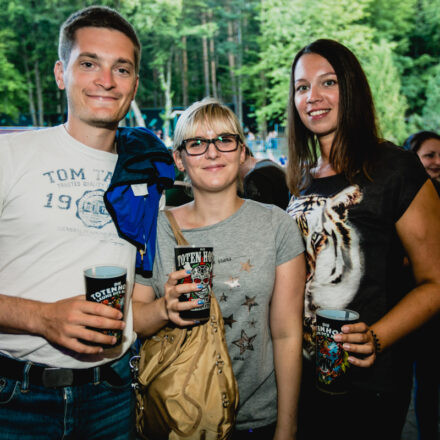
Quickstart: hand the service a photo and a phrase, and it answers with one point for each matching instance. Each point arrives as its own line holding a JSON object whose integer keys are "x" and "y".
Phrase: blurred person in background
{"x": 264, "y": 181}
{"x": 426, "y": 144}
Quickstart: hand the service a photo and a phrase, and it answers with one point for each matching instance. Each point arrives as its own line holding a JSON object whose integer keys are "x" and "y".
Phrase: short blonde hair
{"x": 208, "y": 112}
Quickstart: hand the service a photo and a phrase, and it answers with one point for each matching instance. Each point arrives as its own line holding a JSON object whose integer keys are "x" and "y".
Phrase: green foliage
{"x": 431, "y": 111}
{"x": 288, "y": 25}
{"x": 393, "y": 20}
{"x": 385, "y": 86}
{"x": 397, "y": 42}
{"x": 422, "y": 55}
{"x": 12, "y": 86}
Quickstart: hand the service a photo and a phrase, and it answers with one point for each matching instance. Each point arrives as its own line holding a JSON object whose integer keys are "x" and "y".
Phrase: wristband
{"x": 376, "y": 341}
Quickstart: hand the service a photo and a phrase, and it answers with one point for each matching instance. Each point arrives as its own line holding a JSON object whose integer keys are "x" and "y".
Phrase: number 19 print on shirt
{"x": 69, "y": 194}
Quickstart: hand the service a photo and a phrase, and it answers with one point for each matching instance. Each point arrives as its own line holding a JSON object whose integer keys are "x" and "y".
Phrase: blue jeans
{"x": 92, "y": 411}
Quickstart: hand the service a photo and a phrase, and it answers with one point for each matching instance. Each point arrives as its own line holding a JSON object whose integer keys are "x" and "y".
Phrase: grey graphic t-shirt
{"x": 247, "y": 248}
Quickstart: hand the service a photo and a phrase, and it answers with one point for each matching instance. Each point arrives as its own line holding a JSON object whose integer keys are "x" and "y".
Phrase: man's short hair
{"x": 100, "y": 17}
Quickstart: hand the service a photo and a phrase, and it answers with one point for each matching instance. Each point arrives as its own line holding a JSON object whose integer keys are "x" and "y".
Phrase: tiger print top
{"x": 353, "y": 253}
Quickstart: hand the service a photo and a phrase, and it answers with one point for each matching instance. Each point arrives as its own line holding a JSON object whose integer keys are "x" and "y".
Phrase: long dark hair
{"x": 356, "y": 139}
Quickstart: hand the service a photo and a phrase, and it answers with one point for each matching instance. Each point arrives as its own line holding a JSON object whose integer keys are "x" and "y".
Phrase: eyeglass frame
{"x": 237, "y": 137}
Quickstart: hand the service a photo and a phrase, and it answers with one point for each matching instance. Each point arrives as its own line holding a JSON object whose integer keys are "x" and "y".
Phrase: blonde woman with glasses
{"x": 259, "y": 272}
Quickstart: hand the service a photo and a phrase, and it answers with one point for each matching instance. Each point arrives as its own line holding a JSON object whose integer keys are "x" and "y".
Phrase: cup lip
{"x": 122, "y": 271}
{"x": 192, "y": 246}
{"x": 321, "y": 312}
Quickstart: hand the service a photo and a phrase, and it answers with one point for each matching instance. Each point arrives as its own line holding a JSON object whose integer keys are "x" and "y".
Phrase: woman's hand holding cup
{"x": 173, "y": 291}
{"x": 358, "y": 340}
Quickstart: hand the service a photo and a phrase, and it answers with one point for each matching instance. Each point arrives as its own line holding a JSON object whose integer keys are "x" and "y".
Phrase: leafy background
{"x": 240, "y": 51}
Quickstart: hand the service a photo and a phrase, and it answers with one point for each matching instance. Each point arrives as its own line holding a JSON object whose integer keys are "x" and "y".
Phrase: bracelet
{"x": 376, "y": 341}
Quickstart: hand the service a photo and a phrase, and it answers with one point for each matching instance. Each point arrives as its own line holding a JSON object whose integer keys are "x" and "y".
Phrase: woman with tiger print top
{"x": 361, "y": 203}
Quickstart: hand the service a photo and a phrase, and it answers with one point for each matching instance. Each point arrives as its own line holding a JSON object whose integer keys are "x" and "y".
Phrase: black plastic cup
{"x": 198, "y": 260}
{"x": 107, "y": 285}
{"x": 333, "y": 371}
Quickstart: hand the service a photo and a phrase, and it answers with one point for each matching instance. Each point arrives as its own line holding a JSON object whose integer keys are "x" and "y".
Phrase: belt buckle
{"x": 57, "y": 377}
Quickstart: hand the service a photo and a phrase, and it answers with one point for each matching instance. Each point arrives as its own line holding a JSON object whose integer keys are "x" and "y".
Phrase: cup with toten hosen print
{"x": 198, "y": 262}
{"x": 333, "y": 371}
{"x": 106, "y": 284}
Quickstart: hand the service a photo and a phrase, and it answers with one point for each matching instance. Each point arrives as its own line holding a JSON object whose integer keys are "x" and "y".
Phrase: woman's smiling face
{"x": 317, "y": 95}
{"x": 429, "y": 154}
{"x": 214, "y": 170}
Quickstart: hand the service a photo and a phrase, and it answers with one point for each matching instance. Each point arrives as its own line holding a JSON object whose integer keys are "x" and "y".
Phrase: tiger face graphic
{"x": 333, "y": 255}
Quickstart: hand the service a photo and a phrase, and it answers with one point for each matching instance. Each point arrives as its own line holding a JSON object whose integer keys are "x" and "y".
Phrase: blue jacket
{"x": 142, "y": 159}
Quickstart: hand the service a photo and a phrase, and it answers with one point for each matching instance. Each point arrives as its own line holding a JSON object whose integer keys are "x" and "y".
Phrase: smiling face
{"x": 317, "y": 95}
{"x": 213, "y": 171}
{"x": 99, "y": 79}
{"x": 429, "y": 154}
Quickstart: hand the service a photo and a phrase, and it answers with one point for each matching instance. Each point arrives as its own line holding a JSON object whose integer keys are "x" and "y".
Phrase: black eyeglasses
{"x": 198, "y": 146}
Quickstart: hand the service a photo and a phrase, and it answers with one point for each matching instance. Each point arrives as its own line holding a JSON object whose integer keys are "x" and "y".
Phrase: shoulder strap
{"x": 181, "y": 240}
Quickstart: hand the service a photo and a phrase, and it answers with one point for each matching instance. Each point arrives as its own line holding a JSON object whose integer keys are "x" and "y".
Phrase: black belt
{"x": 57, "y": 377}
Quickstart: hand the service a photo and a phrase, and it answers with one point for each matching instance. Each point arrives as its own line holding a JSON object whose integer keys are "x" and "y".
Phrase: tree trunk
{"x": 165, "y": 84}
{"x": 30, "y": 92}
{"x": 137, "y": 114}
{"x": 184, "y": 73}
{"x": 205, "y": 58}
{"x": 239, "y": 65}
{"x": 262, "y": 123}
{"x": 39, "y": 92}
{"x": 213, "y": 62}
{"x": 231, "y": 61}
{"x": 155, "y": 97}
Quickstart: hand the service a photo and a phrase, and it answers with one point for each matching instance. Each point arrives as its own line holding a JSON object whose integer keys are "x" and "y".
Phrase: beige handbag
{"x": 187, "y": 388}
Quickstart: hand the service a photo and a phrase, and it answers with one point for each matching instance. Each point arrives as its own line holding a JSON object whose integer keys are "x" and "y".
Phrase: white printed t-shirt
{"x": 53, "y": 225}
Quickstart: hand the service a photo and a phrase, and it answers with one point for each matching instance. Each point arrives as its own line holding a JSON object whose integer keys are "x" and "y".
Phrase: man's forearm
{"x": 19, "y": 315}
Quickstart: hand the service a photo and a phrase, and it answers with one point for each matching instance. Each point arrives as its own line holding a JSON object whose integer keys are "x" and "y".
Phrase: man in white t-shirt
{"x": 57, "y": 379}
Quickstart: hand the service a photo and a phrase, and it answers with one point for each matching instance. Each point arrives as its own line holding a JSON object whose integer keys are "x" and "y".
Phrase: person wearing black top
{"x": 362, "y": 204}
{"x": 426, "y": 144}
{"x": 264, "y": 181}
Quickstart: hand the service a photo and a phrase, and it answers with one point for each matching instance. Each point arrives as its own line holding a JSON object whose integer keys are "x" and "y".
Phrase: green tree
{"x": 33, "y": 29}
{"x": 431, "y": 110}
{"x": 12, "y": 85}
{"x": 394, "y": 21}
{"x": 419, "y": 58}
{"x": 288, "y": 25}
{"x": 159, "y": 29}
{"x": 385, "y": 85}
{"x": 249, "y": 46}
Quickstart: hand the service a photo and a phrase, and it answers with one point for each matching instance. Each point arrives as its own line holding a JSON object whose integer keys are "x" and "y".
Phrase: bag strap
{"x": 181, "y": 240}
{"x": 216, "y": 323}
